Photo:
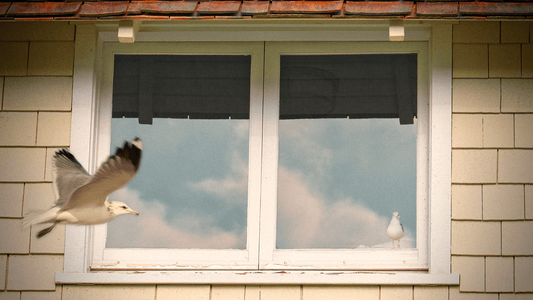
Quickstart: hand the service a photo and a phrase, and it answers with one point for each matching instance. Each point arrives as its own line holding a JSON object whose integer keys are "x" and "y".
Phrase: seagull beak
{"x": 134, "y": 212}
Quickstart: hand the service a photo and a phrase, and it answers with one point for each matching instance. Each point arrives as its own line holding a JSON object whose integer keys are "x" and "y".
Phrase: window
{"x": 266, "y": 106}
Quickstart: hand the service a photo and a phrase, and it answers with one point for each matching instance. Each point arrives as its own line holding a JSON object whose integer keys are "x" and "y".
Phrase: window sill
{"x": 258, "y": 277}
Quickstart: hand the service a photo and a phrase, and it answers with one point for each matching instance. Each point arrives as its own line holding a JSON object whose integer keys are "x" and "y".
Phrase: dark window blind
{"x": 355, "y": 86}
{"x": 181, "y": 86}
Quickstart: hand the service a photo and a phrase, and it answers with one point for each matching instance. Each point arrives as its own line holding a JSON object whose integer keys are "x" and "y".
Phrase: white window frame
{"x": 85, "y": 257}
{"x": 346, "y": 259}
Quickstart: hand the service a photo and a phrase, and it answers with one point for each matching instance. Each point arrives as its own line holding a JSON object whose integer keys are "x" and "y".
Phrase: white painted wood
{"x": 127, "y": 30}
{"x": 105, "y": 258}
{"x": 82, "y": 135}
{"x": 379, "y": 34}
{"x": 396, "y": 31}
{"x": 263, "y": 278}
{"x": 91, "y": 145}
{"x": 440, "y": 150}
{"x": 272, "y": 258}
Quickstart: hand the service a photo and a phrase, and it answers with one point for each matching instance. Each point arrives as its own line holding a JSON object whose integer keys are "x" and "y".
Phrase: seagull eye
{"x": 123, "y": 207}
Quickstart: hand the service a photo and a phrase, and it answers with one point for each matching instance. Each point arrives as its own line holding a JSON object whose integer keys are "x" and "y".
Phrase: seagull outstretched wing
{"x": 69, "y": 175}
{"x": 113, "y": 174}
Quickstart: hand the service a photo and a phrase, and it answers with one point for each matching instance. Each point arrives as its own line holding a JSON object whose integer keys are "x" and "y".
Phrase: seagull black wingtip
{"x": 131, "y": 151}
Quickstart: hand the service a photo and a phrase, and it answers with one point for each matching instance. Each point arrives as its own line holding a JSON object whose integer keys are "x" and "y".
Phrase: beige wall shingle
{"x": 515, "y": 166}
{"x": 33, "y": 272}
{"x": 54, "y": 129}
{"x": 505, "y": 60}
{"x": 514, "y": 32}
{"x": 527, "y": 60}
{"x": 38, "y": 196}
{"x": 396, "y": 292}
{"x": 474, "y": 166}
{"x": 503, "y": 202}
{"x": 455, "y": 294}
{"x": 517, "y": 95}
{"x": 523, "y": 274}
{"x": 517, "y": 238}
{"x": 498, "y": 131}
{"x": 476, "y": 238}
{"x": 52, "y": 243}
{"x": 504, "y": 296}
{"x": 18, "y": 128}
{"x": 3, "y": 271}
{"x": 11, "y": 199}
{"x": 523, "y": 130}
{"x": 19, "y": 238}
{"x": 430, "y": 293}
{"x": 171, "y": 292}
{"x": 47, "y": 295}
{"x": 109, "y": 292}
{"x": 277, "y": 292}
{"x": 529, "y": 201}
{"x": 38, "y": 93}
{"x": 472, "y": 271}
{"x": 470, "y": 61}
{"x": 37, "y": 31}
{"x": 252, "y": 292}
{"x": 14, "y": 58}
{"x": 10, "y": 295}
{"x": 476, "y": 32}
{"x": 227, "y": 292}
{"x": 22, "y": 164}
{"x": 51, "y": 59}
{"x": 476, "y": 95}
{"x": 467, "y": 131}
{"x": 500, "y": 274}
{"x": 340, "y": 292}
{"x": 466, "y": 202}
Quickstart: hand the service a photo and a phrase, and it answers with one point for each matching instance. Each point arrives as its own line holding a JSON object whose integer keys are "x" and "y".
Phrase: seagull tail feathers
{"x": 39, "y": 217}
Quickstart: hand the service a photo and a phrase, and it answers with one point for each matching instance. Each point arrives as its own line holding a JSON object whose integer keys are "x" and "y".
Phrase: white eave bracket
{"x": 396, "y": 31}
{"x": 127, "y": 30}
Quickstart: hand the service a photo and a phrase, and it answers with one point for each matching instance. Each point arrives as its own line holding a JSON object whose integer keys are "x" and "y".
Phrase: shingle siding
{"x": 492, "y": 192}
{"x": 494, "y": 88}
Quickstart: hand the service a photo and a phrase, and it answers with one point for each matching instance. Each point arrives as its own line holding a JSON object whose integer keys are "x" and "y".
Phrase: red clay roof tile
{"x": 99, "y": 9}
{"x": 305, "y": 7}
{"x": 3, "y": 7}
{"x": 43, "y": 9}
{"x": 162, "y": 7}
{"x": 379, "y": 8}
{"x": 255, "y": 7}
{"x": 491, "y": 9}
{"x": 207, "y": 9}
{"x": 219, "y": 7}
{"x": 445, "y": 9}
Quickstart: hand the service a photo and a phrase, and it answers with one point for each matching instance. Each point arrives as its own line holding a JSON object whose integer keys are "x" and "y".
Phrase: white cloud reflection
{"x": 196, "y": 201}
{"x": 151, "y": 230}
{"x": 307, "y": 220}
{"x": 233, "y": 188}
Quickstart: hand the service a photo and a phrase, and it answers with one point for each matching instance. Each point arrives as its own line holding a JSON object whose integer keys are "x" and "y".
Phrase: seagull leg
{"x": 46, "y": 230}
{"x": 399, "y": 244}
{"x": 392, "y": 244}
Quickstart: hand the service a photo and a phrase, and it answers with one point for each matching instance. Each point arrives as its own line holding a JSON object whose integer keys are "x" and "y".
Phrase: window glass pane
{"x": 191, "y": 188}
{"x": 340, "y": 179}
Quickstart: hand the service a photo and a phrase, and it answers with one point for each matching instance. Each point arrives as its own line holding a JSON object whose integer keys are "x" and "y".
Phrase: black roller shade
{"x": 181, "y": 86}
{"x": 355, "y": 86}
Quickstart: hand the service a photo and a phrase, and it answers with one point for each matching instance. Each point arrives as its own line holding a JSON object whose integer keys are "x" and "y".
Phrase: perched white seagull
{"x": 395, "y": 229}
{"x": 81, "y": 199}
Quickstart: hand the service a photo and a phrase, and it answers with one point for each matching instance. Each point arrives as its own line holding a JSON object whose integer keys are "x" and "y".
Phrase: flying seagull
{"x": 395, "y": 229}
{"x": 81, "y": 199}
